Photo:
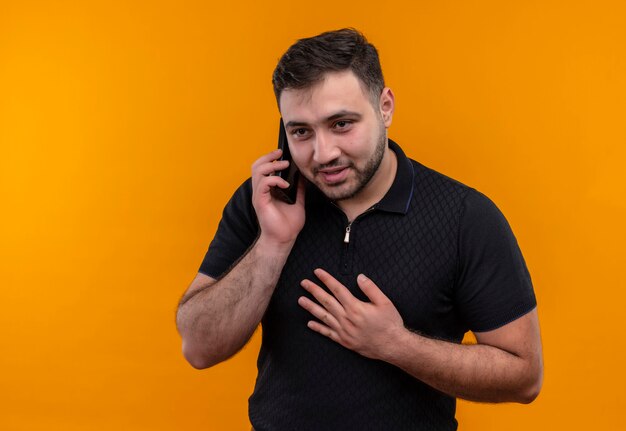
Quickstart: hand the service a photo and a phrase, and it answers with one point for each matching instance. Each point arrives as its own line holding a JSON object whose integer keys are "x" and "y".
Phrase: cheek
{"x": 358, "y": 146}
{"x": 300, "y": 155}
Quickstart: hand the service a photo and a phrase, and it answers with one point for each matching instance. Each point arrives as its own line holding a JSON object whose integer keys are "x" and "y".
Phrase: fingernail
{"x": 361, "y": 278}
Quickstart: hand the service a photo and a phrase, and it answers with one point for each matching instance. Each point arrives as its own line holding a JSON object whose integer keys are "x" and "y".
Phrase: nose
{"x": 325, "y": 150}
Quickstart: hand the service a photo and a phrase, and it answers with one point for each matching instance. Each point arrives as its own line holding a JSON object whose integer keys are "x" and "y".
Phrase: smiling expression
{"x": 337, "y": 138}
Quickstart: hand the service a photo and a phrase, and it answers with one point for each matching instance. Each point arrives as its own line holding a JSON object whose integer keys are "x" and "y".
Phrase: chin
{"x": 339, "y": 192}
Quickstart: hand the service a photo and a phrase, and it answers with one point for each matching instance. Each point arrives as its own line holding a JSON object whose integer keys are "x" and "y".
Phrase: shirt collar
{"x": 398, "y": 197}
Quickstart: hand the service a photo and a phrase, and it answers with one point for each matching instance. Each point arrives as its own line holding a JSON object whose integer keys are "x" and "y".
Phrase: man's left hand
{"x": 368, "y": 328}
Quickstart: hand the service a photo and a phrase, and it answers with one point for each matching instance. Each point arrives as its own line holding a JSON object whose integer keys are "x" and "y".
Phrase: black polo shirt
{"x": 441, "y": 251}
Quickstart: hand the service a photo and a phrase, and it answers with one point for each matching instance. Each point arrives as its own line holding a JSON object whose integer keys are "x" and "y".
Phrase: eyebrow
{"x": 340, "y": 114}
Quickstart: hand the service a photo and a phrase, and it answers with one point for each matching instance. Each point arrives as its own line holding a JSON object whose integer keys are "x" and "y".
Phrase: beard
{"x": 362, "y": 176}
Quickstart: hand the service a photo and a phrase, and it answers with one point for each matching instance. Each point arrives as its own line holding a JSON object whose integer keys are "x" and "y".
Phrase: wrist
{"x": 272, "y": 246}
{"x": 399, "y": 345}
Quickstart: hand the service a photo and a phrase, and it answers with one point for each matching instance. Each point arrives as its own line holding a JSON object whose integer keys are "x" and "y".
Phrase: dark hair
{"x": 307, "y": 61}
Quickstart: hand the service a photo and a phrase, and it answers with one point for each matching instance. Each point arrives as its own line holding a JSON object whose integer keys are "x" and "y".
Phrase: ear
{"x": 387, "y": 105}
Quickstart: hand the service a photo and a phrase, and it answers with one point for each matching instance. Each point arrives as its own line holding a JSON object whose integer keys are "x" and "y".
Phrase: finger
{"x": 340, "y": 291}
{"x": 272, "y": 181}
{"x": 324, "y": 330}
{"x": 319, "y": 312}
{"x": 270, "y": 168}
{"x": 324, "y": 298}
{"x": 371, "y": 290}
{"x": 266, "y": 183}
{"x": 269, "y": 157}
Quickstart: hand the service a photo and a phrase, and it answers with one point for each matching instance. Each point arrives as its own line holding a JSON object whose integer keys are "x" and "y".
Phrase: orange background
{"x": 125, "y": 127}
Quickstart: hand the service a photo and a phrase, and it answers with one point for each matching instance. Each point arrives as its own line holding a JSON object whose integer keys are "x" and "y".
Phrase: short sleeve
{"x": 236, "y": 232}
{"x": 494, "y": 286}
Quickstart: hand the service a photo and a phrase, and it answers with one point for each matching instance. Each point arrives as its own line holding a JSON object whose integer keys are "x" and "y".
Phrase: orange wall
{"x": 125, "y": 126}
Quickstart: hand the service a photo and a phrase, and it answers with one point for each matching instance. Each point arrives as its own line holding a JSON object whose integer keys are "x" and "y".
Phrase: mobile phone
{"x": 291, "y": 174}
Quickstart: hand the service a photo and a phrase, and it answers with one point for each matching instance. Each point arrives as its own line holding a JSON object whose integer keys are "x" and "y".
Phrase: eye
{"x": 342, "y": 125}
{"x": 300, "y": 132}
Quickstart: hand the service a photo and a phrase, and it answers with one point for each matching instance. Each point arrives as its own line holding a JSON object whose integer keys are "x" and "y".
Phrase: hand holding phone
{"x": 291, "y": 174}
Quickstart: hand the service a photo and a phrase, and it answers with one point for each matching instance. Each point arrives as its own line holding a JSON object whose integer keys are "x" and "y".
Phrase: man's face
{"x": 337, "y": 138}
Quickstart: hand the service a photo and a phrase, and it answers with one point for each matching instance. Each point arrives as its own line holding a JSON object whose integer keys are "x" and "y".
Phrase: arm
{"x": 505, "y": 365}
{"x": 217, "y": 317}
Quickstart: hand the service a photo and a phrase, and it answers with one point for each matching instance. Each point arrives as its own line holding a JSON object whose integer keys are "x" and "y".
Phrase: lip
{"x": 334, "y": 175}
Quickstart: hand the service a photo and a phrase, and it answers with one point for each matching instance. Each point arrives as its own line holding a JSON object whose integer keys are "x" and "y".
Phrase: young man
{"x": 366, "y": 285}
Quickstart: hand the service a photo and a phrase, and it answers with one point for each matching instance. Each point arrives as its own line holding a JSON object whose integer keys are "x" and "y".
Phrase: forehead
{"x": 337, "y": 91}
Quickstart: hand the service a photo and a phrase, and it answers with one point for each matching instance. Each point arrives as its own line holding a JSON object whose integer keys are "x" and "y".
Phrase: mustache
{"x": 337, "y": 163}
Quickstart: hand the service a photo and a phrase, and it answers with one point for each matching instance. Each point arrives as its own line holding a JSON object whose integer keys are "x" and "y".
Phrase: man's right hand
{"x": 217, "y": 317}
{"x": 279, "y": 221}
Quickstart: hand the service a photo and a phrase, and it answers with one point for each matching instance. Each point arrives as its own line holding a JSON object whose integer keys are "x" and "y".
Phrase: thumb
{"x": 301, "y": 190}
{"x": 371, "y": 290}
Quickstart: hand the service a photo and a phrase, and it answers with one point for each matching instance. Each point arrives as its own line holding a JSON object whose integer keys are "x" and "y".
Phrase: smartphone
{"x": 291, "y": 174}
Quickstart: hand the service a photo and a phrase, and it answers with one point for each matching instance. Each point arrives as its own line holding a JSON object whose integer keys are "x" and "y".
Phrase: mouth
{"x": 334, "y": 175}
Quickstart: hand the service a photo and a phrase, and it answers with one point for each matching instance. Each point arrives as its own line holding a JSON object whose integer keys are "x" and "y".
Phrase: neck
{"x": 375, "y": 189}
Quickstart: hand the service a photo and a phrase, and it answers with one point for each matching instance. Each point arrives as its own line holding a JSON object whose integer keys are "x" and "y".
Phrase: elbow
{"x": 531, "y": 390}
{"x": 197, "y": 362}
{"x": 194, "y": 352}
{"x": 198, "y": 359}
{"x": 529, "y": 395}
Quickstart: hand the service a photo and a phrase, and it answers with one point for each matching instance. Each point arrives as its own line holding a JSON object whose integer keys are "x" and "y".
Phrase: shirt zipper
{"x": 346, "y": 255}
{"x": 346, "y": 238}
